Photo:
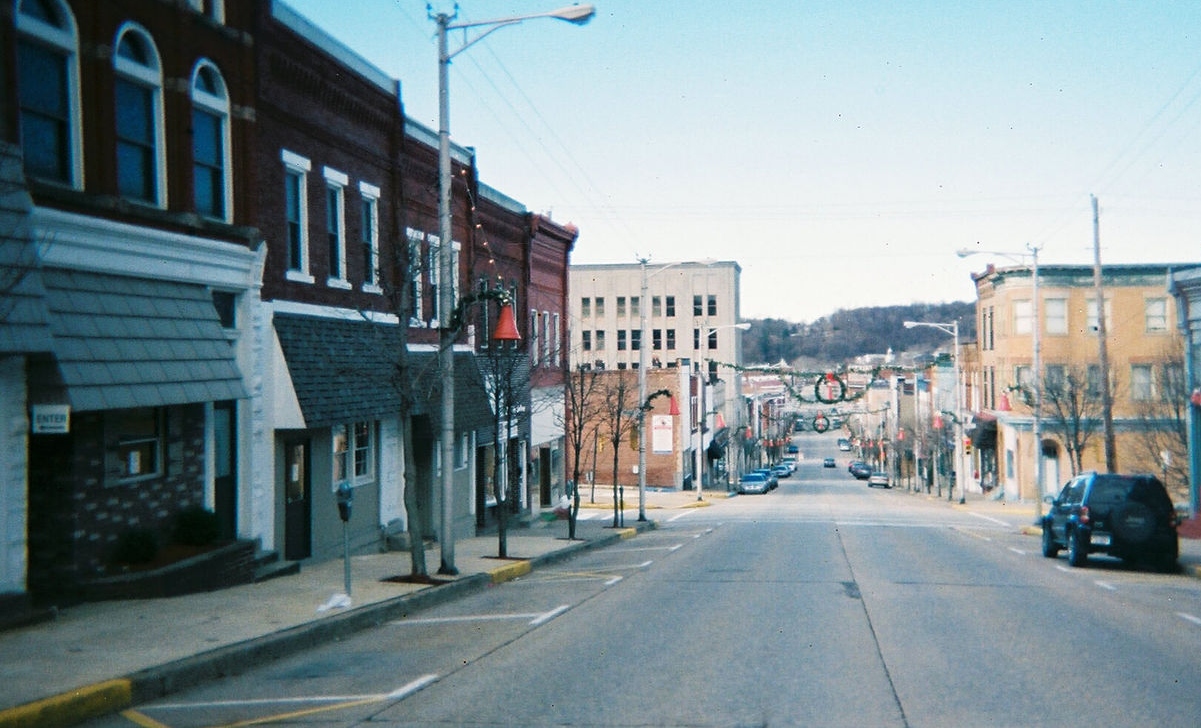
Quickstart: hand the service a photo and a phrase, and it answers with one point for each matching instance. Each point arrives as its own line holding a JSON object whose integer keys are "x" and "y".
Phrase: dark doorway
{"x": 225, "y": 462}
{"x": 297, "y": 504}
{"x": 544, "y": 476}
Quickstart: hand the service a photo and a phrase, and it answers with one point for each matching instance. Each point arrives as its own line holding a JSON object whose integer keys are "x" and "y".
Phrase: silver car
{"x": 878, "y": 478}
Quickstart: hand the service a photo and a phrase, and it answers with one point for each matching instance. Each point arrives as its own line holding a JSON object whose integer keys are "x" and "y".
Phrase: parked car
{"x": 790, "y": 462}
{"x": 753, "y": 483}
{"x": 859, "y": 469}
{"x": 792, "y": 448}
{"x": 844, "y": 444}
{"x": 879, "y": 478}
{"x": 781, "y": 471}
{"x": 773, "y": 481}
{"x": 1128, "y": 516}
{"x": 829, "y": 463}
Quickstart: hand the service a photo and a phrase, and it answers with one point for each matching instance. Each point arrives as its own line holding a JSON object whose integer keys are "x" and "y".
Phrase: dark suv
{"x": 1128, "y": 516}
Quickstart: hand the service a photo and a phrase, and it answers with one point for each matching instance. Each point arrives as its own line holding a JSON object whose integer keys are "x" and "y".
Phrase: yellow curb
{"x": 696, "y": 504}
{"x": 1032, "y": 530}
{"x": 70, "y": 708}
{"x": 627, "y": 533}
{"x": 508, "y": 572}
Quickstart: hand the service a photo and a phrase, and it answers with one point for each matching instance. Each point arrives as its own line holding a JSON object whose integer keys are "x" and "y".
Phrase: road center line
{"x": 988, "y": 518}
{"x": 1189, "y": 618}
{"x": 1105, "y": 585}
{"x": 1017, "y": 551}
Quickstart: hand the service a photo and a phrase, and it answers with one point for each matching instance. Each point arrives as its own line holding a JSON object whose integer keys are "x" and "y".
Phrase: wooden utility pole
{"x": 1111, "y": 454}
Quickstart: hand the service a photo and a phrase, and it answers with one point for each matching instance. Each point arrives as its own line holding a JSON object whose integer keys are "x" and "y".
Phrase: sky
{"x": 841, "y": 152}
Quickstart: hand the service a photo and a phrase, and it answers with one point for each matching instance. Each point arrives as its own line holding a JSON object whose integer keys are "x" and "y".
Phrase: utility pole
{"x": 1111, "y": 456}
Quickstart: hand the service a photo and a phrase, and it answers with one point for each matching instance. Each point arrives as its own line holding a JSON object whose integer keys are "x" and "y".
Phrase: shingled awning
{"x": 344, "y": 370}
{"x": 121, "y": 342}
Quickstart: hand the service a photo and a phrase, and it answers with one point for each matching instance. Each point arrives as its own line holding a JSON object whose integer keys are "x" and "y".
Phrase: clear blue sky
{"x": 840, "y": 151}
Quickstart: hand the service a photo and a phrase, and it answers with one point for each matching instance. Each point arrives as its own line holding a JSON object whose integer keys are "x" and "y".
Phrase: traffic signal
{"x": 967, "y": 444}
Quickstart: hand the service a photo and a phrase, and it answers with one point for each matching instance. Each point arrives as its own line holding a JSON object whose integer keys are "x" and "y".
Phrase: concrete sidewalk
{"x": 101, "y": 657}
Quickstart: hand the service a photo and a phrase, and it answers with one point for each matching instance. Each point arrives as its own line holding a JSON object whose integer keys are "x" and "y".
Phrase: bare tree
{"x": 1072, "y": 410}
{"x": 619, "y": 419}
{"x": 1162, "y": 436}
{"x": 508, "y": 382}
{"x": 581, "y": 418}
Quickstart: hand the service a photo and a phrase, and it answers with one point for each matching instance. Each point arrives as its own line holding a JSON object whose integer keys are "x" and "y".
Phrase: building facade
{"x": 1143, "y": 363}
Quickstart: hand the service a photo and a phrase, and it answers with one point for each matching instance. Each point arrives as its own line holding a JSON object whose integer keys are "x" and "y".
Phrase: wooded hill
{"x": 847, "y": 334}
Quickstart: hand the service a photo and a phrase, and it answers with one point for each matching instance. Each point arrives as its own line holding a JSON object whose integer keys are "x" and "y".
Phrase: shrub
{"x": 136, "y": 546}
{"x": 196, "y": 526}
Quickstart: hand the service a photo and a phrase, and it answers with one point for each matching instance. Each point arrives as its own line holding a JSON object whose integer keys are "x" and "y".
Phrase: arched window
{"x": 141, "y": 163}
{"x": 48, "y": 91}
{"x": 210, "y": 143}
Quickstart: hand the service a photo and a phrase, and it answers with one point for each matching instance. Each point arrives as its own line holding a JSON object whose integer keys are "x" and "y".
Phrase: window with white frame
{"x": 211, "y": 166}
{"x": 1093, "y": 323}
{"x": 369, "y": 236}
{"x": 48, "y": 98}
{"x": 1156, "y": 315}
{"x": 1142, "y": 382}
{"x": 547, "y": 339}
{"x": 1056, "y": 315}
{"x": 296, "y": 215}
{"x": 1023, "y": 376}
{"x": 335, "y": 226}
{"x": 436, "y": 251}
{"x": 137, "y": 442}
{"x": 415, "y": 269}
{"x": 535, "y": 344}
{"x": 556, "y": 349}
{"x": 1022, "y": 317}
{"x": 353, "y": 453}
{"x": 463, "y": 451}
{"x": 138, "y": 108}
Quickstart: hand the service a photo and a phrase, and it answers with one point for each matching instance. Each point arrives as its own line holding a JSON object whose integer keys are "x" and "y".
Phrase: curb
{"x": 110, "y": 696}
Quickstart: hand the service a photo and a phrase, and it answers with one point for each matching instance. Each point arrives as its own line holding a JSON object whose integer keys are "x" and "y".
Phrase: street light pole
{"x": 447, "y": 275}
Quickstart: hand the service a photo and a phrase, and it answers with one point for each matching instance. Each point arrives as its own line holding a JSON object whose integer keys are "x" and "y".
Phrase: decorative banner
{"x": 662, "y": 434}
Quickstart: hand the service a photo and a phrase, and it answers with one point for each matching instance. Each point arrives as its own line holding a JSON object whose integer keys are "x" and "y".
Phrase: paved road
{"x": 822, "y": 603}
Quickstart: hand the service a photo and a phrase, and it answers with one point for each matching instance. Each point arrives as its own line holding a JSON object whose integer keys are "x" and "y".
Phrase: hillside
{"x": 849, "y": 333}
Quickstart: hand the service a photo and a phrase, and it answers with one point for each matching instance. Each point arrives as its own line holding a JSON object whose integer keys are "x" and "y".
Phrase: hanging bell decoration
{"x": 506, "y": 325}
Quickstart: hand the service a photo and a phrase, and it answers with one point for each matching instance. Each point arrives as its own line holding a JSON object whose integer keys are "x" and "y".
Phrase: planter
{"x": 224, "y": 566}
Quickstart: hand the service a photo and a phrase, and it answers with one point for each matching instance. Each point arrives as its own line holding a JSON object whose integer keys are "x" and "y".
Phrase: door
{"x": 225, "y": 458}
{"x": 297, "y": 504}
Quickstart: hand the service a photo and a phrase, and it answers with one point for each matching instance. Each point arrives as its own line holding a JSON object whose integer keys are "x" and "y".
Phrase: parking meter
{"x": 345, "y": 498}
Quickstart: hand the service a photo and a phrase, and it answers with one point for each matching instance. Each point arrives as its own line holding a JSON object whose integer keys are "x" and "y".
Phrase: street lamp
{"x": 952, "y": 329}
{"x": 447, "y": 275}
{"x": 1036, "y": 346}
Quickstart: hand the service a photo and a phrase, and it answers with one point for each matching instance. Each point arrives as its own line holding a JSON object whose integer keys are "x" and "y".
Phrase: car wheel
{"x": 1077, "y": 550}
{"x": 1050, "y": 547}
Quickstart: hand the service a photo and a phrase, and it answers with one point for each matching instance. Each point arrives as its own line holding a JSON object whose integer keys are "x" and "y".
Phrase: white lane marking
{"x": 614, "y": 580}
{"x": 678, "y": 516}
{"x": 548, "y": 616}
{"x": 988, "y": 518}
{"x": 1189, "y": 618}
{"x": 1105, "y": 585}
{"x": 1064, "y": 569}
{"x": 400, "y": 692}
{"x": 646, "y": 548}
{"x": 1018, "y": 551}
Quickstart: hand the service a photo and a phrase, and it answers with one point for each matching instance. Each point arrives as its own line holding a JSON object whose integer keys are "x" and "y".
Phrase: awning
{"x": 984, "y": 430}
{"x": 344, "y": 370}
{"x": 717, "y": 446}
{"x": 121, "y": 342}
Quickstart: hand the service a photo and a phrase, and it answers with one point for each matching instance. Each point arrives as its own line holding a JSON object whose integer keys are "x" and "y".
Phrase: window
{"x": 48, "y": 79}
{"x": 1057, "y": 315}
{"x": 1156, "y": 315}
{"x": 1094, "y": 380}
{"x": 1093, "y": 323}
{"x": 621, "y": 339}
{"x": 587, "y": 340}
{"x": 296, "y": 214}
{"x": 657, "y": 339}
{"x": 210, "y": 143}
{"x": 435, "y": 274}
{"x": 352, "y": 453}
{"x": 696, "y": 338}
{"x": 1022, "y": 317}
{"x": 621, "y": 305}
{"x": 226, "y": 304}
{"x": 698, "y": 308}
{"x": 712, "y": 339}
{"x": 636, "y": 339}
{"x": 635, "y": 306}
{"x": 138, "y": 89}
{"x": 670, "y": 306}
{"x": 671, "y": 339}
{"x": 369, "y": 236}
{"x": 1022, "y": 376}
{"x": 1142, "y": 383}
{"x": 1056, "y": 376}
{"x": 535, "y": 344}
{"x": 139, "y": 442}
{"x": 600, "y": 340}
{"x": 547, "y": 342}
{"x": 600, "y": 306}
{"x": 656, "y": 306}
{"x": 335, "y": 226}
{"x": 585, "y": 307}
{"x": 556, "y": 349}
{"x": 415, "y": 300}
{"x": 711, "y": 306}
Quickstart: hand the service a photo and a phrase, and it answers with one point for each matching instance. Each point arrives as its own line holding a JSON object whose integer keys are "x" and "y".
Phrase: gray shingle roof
{"x": 346, "y": 370}
{"x": 136, "y": 342}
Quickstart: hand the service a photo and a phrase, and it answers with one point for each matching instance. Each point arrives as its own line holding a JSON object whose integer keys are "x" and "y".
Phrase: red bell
{"x": 506, "y": 324}
{"x": 675, "y": 406}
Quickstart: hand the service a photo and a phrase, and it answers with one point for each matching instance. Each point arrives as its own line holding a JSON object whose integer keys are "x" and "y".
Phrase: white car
{"x": 878, "y": 478}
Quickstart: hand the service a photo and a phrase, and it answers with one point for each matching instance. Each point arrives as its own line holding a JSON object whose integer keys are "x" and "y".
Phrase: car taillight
{"x": 1084, "y": 519}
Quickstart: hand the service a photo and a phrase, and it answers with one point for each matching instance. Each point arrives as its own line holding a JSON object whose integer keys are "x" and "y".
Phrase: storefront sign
{"x": 661, "y": 434}
{"x": 51, "y": 419}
